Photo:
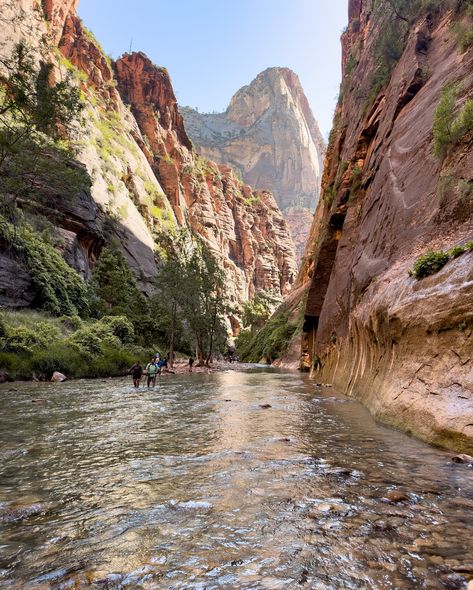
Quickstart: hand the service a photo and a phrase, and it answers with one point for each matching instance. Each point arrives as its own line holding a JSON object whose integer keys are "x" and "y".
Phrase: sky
{"x": 212, "y": 48}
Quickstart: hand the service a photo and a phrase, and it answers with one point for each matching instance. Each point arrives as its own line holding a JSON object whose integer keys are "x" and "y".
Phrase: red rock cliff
{"x": 401, "y": 345}
{"x": 243, "y": 226}
{"x": 142, "y": 166}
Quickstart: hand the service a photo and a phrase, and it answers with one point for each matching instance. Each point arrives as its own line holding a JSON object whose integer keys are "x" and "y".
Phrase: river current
{"x": 234, "y": 480}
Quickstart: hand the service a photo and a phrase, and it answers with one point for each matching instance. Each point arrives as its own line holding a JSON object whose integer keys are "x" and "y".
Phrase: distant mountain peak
{"x": 269, "y": 134}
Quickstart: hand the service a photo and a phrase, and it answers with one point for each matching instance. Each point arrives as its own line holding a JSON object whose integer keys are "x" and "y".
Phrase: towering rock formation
{"x": 400, "y": 344}
{"x": 268, "y": 133}
{"x": 144, "y": 174}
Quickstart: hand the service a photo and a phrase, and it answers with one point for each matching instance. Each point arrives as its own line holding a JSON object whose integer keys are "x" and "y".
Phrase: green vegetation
{"x": 256, "y": 313}
{"x": 251, "y": 200}
{"x": 329, "y": 195}
{"x": 397, "y": 22}
{"x": 36, "y": 161}
{"x": 450, "y": 184}
{"x": 463, "y": 29}
{"x": 270, "y": 342}
{"x": 59, "y": 289}
{"x": 192, "y": 292}
{"x": 431, "y": 262}
{"x": 449, "y": 126}
{"x": 33, "y": 344}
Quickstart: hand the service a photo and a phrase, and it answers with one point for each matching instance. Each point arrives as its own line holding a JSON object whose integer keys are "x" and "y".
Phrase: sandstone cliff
{"x": 144, "y": 173}
{"x": 404, "y": 346}
{"x": 269, "y": 134}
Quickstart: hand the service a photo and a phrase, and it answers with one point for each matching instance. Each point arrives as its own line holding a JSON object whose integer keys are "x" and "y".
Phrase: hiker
{"x": 161, "y": 364}
{"x": 191, "y": 362}
{"x": 137, "y": 371}
{"x": 151, "y": 371}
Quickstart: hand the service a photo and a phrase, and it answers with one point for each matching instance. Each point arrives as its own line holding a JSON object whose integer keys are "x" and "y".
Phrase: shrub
{"x": 119, "y": 326}
{"x": 58, "y": 357}
{"x": 448, "y": 127}
{"x": 113, "y": 363}
{"x": 91, "y": 338}
{"x": 11, "y": 367}
{"x": 456, "y": 251}
{"x": 329, "y": 195}
{"x": 22, "y": 340}
{"x": 270, "y": 342}
{"x": 3, "y": 328}
{"x": 71, "y": 322}
{"x": 429, "y": 264}
{"x": 59, "y": 288}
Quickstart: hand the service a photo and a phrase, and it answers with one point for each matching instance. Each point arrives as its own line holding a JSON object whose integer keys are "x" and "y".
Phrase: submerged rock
{"x": 462, "y": 458}
{"x": 396, "y": 496}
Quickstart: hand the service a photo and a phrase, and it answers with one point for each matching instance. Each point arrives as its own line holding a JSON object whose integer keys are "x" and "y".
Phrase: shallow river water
{"x": 196, "y": 486}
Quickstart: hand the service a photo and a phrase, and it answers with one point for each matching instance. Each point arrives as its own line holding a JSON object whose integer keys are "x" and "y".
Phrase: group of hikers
{"x": 154, "y": 368}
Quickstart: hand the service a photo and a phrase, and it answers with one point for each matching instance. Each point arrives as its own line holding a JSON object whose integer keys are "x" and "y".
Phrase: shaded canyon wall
{"x": 403, "y": 346}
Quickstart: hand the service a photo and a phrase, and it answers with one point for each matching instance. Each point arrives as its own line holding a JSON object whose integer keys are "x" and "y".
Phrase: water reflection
{"x": 195, "y": 485}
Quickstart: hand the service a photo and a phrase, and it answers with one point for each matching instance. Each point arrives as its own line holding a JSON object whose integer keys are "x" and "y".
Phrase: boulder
{"x": 58, "y": 377}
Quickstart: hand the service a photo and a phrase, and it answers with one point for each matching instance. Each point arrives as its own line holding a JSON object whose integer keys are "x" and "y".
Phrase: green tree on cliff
{"x": 36, "y": 114}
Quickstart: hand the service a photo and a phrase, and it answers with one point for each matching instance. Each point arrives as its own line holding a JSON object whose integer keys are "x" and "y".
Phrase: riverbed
{"x": 238, "y": 480}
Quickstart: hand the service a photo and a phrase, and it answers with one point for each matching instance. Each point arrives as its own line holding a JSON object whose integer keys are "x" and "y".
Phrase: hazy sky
{"x": 213, "y": 47}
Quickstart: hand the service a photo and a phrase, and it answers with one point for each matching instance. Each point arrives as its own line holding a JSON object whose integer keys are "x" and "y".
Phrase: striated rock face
{"x": 270, "y": 135}
{"x": 401, "y": 345}
{"x": 56, "y": 12}
{"x": 144, "y": 174}
{"x": 243, "y": 226}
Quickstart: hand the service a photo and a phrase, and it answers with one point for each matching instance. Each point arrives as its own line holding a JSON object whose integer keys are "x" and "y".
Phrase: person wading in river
{"x": 137, "y": 371}
{"x": 151, "y": 371}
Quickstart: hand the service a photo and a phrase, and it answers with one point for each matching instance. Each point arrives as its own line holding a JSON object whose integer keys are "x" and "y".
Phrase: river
{"x": 195, "y": 485}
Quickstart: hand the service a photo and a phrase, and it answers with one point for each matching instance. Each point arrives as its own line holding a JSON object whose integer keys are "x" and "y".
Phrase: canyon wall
{"x": 145, "y": 177}
{"x": 400, "y": 344}
{"x": 270, "y": 135}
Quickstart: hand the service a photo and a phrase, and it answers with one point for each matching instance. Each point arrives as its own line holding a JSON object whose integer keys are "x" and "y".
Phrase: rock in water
{"x": 396, "y": 496}
{"x": 58, "y": 377}
{"x": 462, "y": 458}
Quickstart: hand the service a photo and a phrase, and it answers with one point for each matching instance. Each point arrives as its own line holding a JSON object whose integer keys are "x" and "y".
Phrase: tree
{"x": 36, "y": 114}
{"x": 113, "y": 290}
{"x": 169, "y": 281}
{"x": 192, "y": 284}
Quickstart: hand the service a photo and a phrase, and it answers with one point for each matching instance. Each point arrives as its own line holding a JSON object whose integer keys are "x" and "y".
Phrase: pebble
{"x": 470, "y": 585}
{"x": 265, "y": 406}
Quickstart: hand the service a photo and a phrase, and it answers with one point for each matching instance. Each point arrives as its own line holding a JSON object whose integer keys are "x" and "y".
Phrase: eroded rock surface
{"x": 401, "y": 345}
{"x": 144, "y": 174}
